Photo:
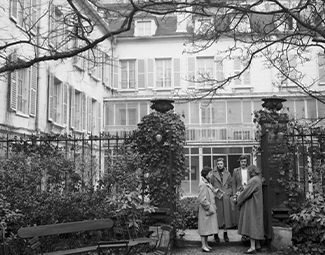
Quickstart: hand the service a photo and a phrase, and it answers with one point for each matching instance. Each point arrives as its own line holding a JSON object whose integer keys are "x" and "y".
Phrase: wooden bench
{"x": 34, "y": 233}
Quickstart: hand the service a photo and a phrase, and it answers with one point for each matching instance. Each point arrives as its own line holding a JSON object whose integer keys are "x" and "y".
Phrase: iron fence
{"x": 90, "y": 153}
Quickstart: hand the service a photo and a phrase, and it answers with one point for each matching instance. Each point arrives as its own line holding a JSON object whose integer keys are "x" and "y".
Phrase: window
{"x": 58, "y": 101}
{"x": 245, "y": 78}
{"x": 56, "y": 27}
{"x": 321, "y": 69}
{"x": 127, "y": 74}
{"x": 240, "y": 23}
{"x": 203, "y": 25}
{"x": 79, "y": 61}
{"x": 143, "y": 28}
{"x": 24, "y": 13}
{"x": 95, "y": 61}
{"x": 126, "y": 114}
{"x": 205, "y": 70}
{"x": 207, "y": 113}
{"x": 23, "y": 89}
{"x": 163, "y": 73}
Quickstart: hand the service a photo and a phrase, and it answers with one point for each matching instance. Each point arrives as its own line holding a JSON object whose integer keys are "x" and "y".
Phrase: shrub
{"x": 187, "y": 208}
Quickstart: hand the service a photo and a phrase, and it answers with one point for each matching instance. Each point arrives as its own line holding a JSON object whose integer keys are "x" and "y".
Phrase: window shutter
{"x": 115, "y": 73}
{"x": 65, "y": 103}
{"x": 50, "y": 100}
{"x": 89, "y": 109}
{"x": 13, "y": 84}
{"x": 99, "y": 113}
{"x": 141, "y": 74}
{"x": 84, "y": 111}
{"x": 14, "y": 9}
{"x": 247, "y": 78}
{"x": 177, "y": 72}
{"x": 72, "y": 107}
{"x": 150, "y": 73}
{"x": 33, "y": 91}
{"x": 219, "y": 69}
{"x": 293, "y": 67}
{"x": 237, "y": 69}
{"x": 190, "y": 71}
{"x": 321, "y": 68}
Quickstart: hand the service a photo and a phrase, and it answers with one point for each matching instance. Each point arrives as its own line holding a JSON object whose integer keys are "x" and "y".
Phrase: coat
{"x": 224, "y": 204}
{"x": 250, "y": 203}
{"x": 236, "y": 185}
{"x": 207, "y": 218}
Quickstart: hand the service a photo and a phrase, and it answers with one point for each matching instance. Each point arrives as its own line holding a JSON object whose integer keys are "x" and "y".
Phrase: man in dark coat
{"x": 221, "y": 180}
{"x": 250, "y": 203}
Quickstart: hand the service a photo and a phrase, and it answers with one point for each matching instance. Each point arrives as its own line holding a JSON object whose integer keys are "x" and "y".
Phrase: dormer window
{"x": 202, "y": 25}
{"x": 144, "y": 28}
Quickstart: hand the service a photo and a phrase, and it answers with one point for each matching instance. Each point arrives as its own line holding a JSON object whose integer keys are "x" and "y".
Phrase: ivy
{"x": 155, "y": 156}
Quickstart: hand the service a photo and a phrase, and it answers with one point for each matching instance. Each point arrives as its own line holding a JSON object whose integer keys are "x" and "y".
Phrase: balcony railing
{"x": 204, "y": 134}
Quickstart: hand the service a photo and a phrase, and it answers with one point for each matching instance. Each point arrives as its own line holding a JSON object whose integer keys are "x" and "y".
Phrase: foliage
{"x": 307, "y": 216}
{"x": 187, "y": 209}
{"x": 309, "y": 223}
{"x": 155, "y": 156}
{"x": 40, "y": 185}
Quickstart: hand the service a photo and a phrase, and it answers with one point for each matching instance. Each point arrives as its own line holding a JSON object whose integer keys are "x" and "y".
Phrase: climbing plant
{"x": 155, "y": 156}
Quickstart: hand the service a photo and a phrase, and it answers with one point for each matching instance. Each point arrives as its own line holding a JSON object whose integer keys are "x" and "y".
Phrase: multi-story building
{"x": 52, "y": 97}
{"x": 152, "y": 62}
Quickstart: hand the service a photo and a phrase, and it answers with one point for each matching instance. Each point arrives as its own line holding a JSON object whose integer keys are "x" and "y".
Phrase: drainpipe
{"x": 37, "y": 83}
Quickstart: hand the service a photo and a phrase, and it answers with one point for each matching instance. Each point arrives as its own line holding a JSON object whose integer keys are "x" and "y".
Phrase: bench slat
{"x": 72, "y": 251}
{"x": 63, "y": 228}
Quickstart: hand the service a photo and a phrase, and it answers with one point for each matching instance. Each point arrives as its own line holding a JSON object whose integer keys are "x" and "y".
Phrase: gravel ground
{"x": 194, "y": 247}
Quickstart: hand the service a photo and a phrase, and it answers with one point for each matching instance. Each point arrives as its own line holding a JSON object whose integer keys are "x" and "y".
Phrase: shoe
{"x": 250, "y": 252}
{"x": 225, "y": 237}
{"x": 210, "y": 248}
{"x": 216, "y": 238}
{"x": 205, "y": 250}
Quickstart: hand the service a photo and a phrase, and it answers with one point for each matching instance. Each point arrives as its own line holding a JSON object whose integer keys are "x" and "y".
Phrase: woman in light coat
{"x": 207, "y": 218}
{"x": 250, "y": 203}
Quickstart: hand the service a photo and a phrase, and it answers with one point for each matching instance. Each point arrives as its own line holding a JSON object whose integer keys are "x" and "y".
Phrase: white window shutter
{"x": 33, "y": 91}
{"x": 190, "y": 71}
{"x": 50, "y": 97}
{"x": 13, "y": 84}
{"x": 150, "y": 73}
{"x": 219, "y": 69}
{"x": 89, "y": 111}
{"x": 65, "y": 104}
{"x": 177, "y": 72}
{"x": 72, "y": 107}
{"x": 14, "y": 9}
{"x": 99, "y": 113}
{"x": 237, "y": 69}
{"x": 141, "y": 74}
{"x": 116, "y": 73}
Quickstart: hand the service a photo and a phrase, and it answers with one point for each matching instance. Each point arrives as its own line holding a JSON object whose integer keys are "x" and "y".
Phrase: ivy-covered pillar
{"x": 273, "y": 152}
{"x": 160, "y": 140}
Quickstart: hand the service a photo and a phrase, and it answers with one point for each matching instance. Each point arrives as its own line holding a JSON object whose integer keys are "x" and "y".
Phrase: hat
{"x": 205, "y": 171}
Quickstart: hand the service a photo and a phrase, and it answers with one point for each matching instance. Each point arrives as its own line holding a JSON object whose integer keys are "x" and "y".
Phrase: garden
{"x": 41, "y": 184}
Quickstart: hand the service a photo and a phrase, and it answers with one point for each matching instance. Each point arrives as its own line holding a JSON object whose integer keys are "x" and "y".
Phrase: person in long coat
{"x": 239, "y": 180}
{"x": 207, "y": 218}
{"x": 222, "y": 181}
{"x": 250, "y": 203}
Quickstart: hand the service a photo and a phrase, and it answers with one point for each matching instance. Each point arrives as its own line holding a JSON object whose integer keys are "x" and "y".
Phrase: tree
{"x": 287, "y": 34}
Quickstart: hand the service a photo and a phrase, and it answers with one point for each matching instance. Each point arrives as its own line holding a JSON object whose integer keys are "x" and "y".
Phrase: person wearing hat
{"x": 239, "y": 180}
{"x": 207, "y": 218}
{"x": 221, "y": 181}
{"x": 250, "y": 204}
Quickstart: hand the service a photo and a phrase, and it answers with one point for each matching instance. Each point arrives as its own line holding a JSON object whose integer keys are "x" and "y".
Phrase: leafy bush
{"x": 187, "y": 209}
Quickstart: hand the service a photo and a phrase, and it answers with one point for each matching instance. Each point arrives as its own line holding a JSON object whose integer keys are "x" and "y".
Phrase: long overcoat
{"x": 207, "y": 218}
{"x": 224, "y": 204}
{"x": 236, "y": 186}
{"x": 250, "y": 203}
